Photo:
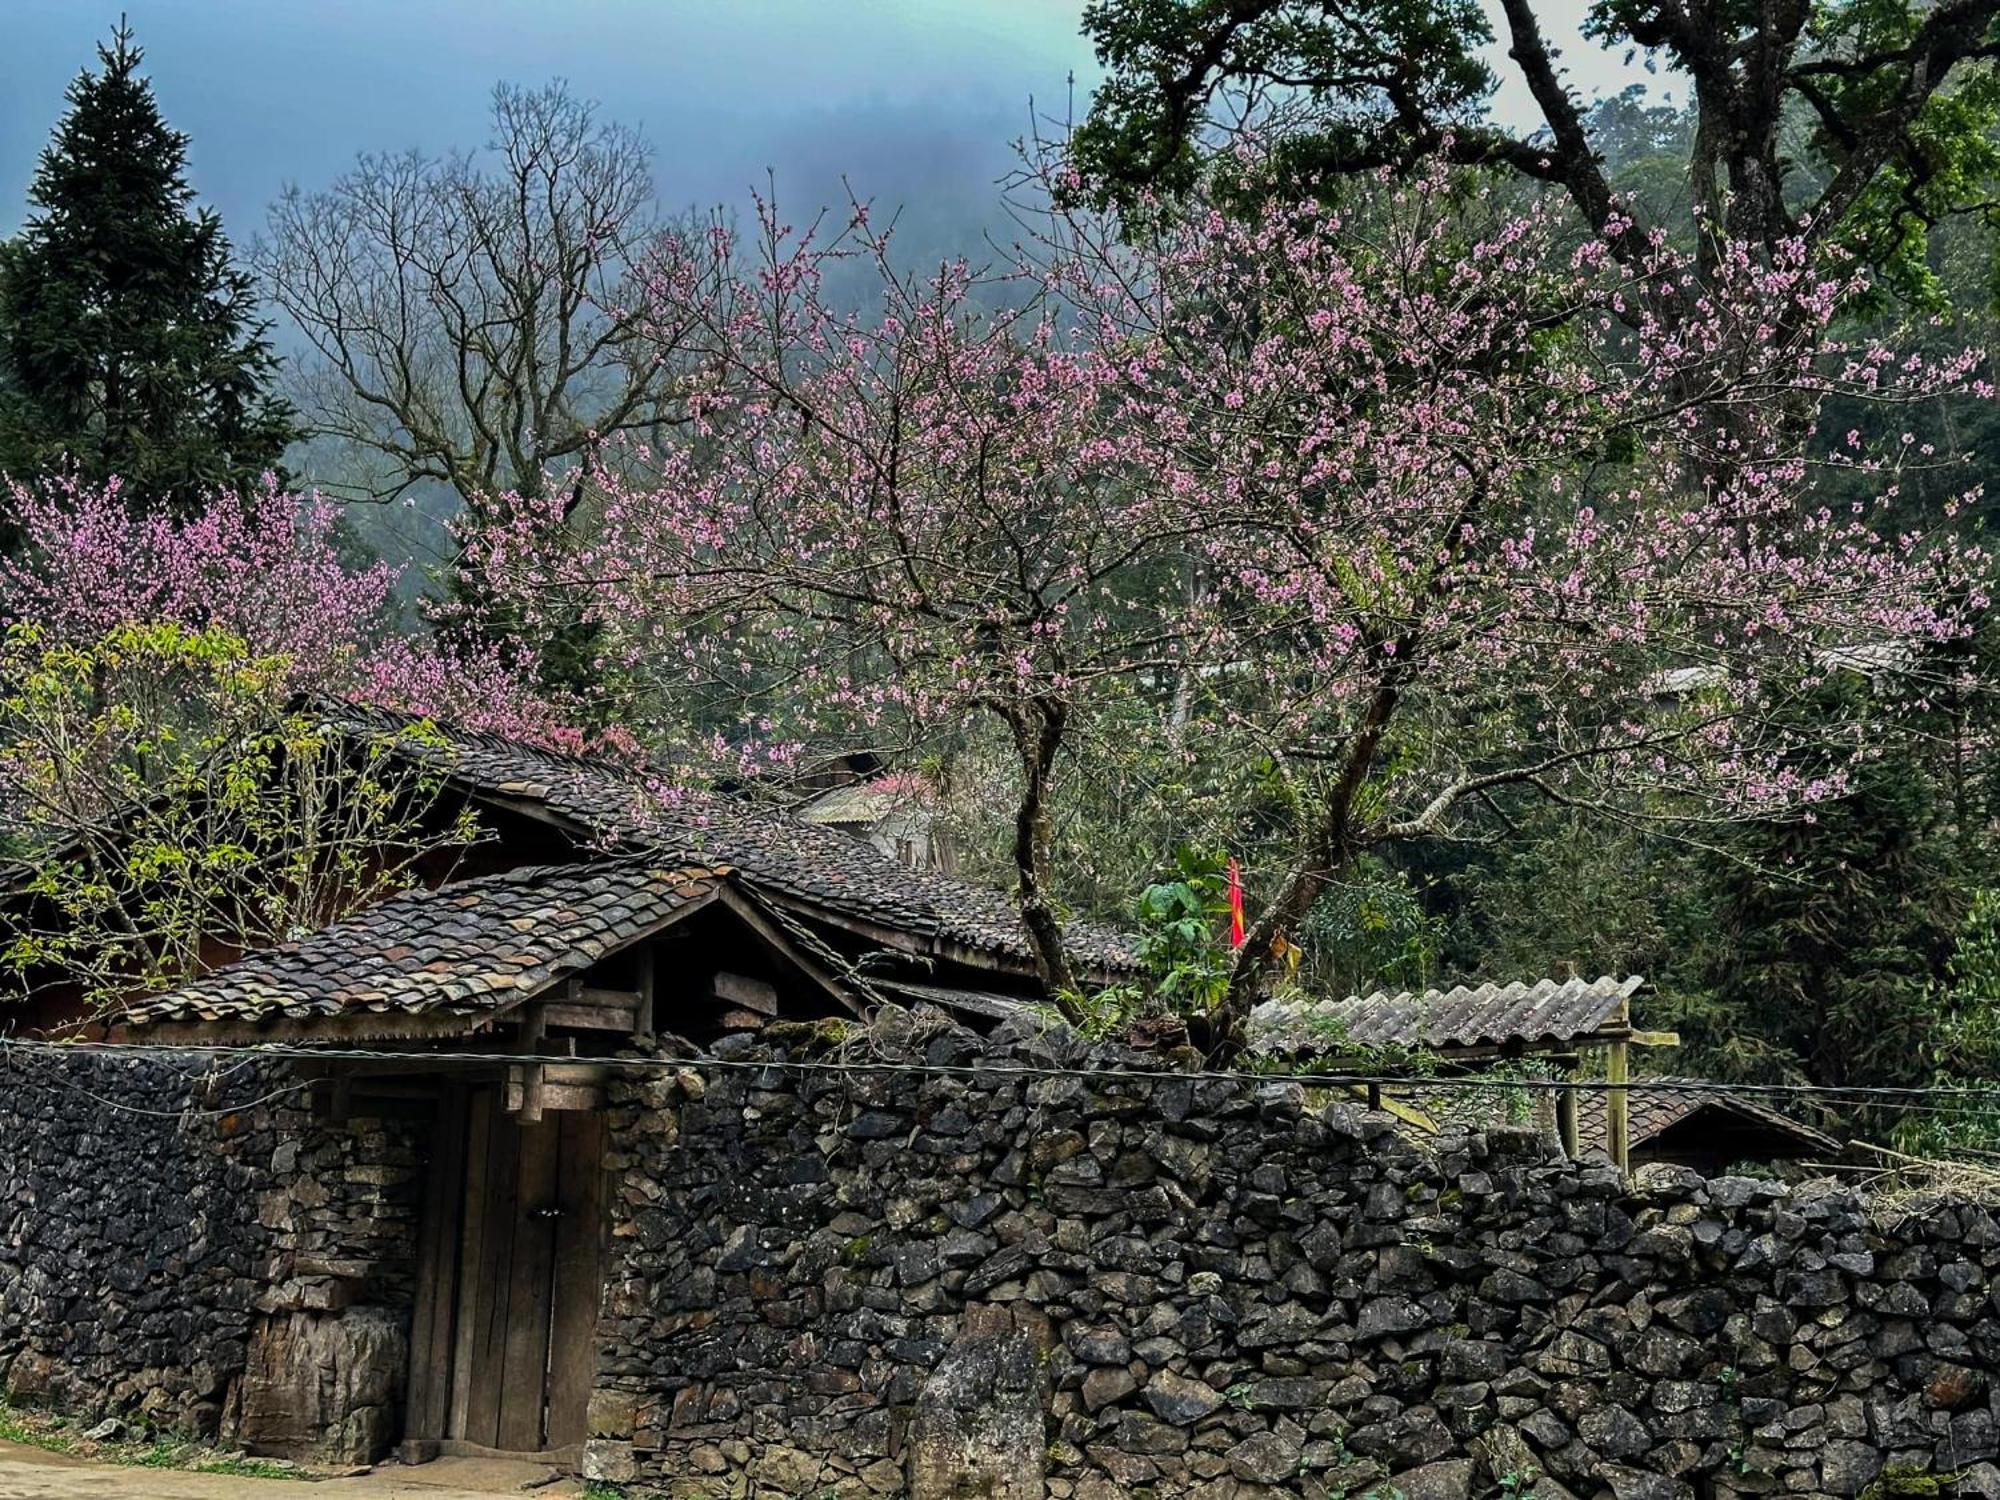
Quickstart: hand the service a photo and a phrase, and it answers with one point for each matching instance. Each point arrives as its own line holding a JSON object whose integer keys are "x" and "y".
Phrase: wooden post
{"x": 1566, "y": 1119}
{"x": 532, "y": 1026}
{"x": 1614, "y": 1105}
{"x": 642, "y": 1020}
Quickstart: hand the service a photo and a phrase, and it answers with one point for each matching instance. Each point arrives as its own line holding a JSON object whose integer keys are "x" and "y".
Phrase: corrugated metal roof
{"x": 1482, "y": 1015}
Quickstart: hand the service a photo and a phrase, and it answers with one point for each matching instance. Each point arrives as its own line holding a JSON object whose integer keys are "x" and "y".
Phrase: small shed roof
{"x": 855, "y": 806}
{"x": 1655, "y": 1106}
{"x": 1534, "y": 1013}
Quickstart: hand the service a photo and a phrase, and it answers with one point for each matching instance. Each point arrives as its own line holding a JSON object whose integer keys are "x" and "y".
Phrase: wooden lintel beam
{"x": 1655, "y": 1039}
{"x": 556, "y": 1097}
{"x": 742, "y": 991}
{"x": 625, "y": 1000}
{"x": 574, "y": 1073}
{"x": 586, "y": 1017}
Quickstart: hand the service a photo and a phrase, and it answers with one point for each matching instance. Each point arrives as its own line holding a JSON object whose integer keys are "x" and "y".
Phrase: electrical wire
{"x": 1910, "y": 1098}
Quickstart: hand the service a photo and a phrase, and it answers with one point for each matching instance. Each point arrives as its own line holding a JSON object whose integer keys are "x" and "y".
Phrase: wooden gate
{"x": 511, "y": 1270}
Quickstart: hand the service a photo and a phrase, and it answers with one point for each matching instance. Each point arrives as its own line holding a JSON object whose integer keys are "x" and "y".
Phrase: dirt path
{"x": 31, "y": 1474}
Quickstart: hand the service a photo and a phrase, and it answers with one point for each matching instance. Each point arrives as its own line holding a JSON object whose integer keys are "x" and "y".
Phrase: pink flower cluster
{"x": 1269, "y": 474}
{"x": 264, "y": 567}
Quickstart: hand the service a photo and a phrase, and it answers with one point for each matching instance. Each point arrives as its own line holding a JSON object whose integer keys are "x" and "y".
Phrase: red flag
{"x": 1236, "y": 928}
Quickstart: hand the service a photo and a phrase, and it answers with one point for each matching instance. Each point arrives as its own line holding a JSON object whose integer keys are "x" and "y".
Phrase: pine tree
{"x": 129, "y": 344}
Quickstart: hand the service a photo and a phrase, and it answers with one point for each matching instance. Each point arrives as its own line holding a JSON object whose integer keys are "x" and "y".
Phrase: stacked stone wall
{"x": 1027, "y": 1273}
{"x": 1235, "y": 1289}
{"x": 187, "y": 1245}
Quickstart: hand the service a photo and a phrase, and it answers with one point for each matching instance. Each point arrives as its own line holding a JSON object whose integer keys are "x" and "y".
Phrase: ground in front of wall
{"x": 34, "y": 1474}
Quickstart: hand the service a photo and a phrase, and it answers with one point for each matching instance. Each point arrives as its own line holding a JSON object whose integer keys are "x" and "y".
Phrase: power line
{"x": 1909, "y": 1098}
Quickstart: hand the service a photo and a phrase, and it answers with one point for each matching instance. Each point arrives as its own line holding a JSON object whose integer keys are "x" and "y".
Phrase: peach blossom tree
{"x": 1407, "y": 507}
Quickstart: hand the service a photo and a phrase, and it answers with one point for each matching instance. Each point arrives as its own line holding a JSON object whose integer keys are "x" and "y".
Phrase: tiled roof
{"x": 1655, "y": 1105}
{"x": 1549, "y": 1010}
{"x": 777, "y": 854}
{"x": 465, "y": 949}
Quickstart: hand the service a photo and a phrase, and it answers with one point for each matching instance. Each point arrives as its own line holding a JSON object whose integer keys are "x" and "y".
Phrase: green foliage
{"x": 1182, "y": 945}
{"x": 1371, "y": 931}
{"x": 1823, "y": 127}
{"x": 1166, "y": 60}
{"x": 1181, "y": 923}
{"x": 54, "y": 1433}
{"x": 1835, "y": 926}
{"x": 1949, "y": 156}
{"x": 174, "y": 799}
{"x": 1964, "y": 1047}
{"x": 129, "y": 344}
{"x": 1906, "y": 1480}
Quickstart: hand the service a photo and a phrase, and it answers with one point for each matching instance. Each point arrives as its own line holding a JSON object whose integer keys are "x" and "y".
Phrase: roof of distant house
{"x": 1483, "y": 1015}
{"x": 856, "y": 806}
{"x": 632, "y": 806}
{"x": 1655, "y": 1106}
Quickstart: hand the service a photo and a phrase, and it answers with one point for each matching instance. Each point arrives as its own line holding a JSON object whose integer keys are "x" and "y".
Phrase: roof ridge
{"x": 461, "y": 730}
{"x": 1508, "y": 988}
{"x": 640, "y": 807}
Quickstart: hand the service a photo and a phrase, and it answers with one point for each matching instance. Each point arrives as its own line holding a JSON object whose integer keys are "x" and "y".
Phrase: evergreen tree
{"x": 1836, "y": 931}
{"x": 129, "y": 344}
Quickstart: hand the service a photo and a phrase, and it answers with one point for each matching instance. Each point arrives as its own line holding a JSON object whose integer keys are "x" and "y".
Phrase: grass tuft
{"x": 57, "y": 1434}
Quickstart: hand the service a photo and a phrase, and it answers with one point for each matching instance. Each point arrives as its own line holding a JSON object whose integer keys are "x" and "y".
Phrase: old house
{"x": 1695, "y": 1124}
{"x": 443, "y": 1245}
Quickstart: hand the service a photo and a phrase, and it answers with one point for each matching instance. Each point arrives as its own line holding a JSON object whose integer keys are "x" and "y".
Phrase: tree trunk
{"x": 1038, "y": 727}
{"x": 1326, "y": 855}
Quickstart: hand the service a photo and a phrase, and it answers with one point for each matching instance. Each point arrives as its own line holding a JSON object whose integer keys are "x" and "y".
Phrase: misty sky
{"x": 915, "y": 100}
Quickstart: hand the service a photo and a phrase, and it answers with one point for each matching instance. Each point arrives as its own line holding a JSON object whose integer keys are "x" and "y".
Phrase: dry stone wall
{"x": 1025, "y": 1276}
{"x": 192, "y": 1248}
{"x": 1235, "y": 1289}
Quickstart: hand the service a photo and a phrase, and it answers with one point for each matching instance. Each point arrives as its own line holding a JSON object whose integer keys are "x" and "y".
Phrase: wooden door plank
{"x": 471, "y": 1259}
{"x": 455, "y": 1106}
{"x": 437, "y": 1268}
{"x": 524, "y": 1395}
{"x": 489, "y": 1345}
{"x": 579, "y": 1277}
